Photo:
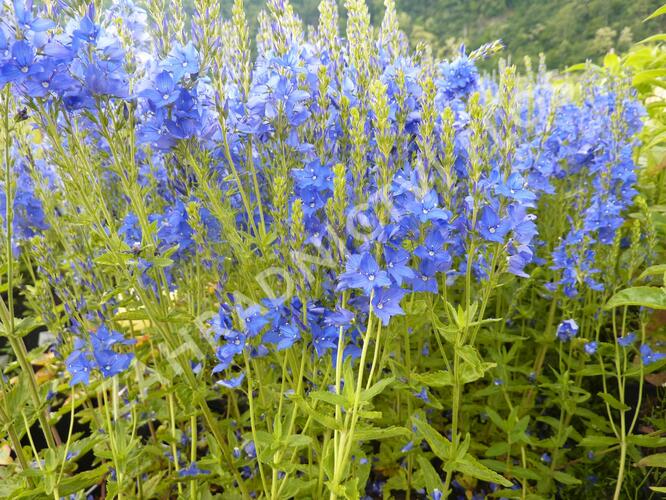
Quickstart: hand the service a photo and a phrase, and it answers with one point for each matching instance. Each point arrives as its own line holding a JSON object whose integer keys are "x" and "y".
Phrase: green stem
{"x": 8, "y": 310}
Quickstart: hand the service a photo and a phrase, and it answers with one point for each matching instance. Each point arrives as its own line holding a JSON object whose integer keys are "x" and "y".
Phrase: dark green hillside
{"x": 567, "y": 31}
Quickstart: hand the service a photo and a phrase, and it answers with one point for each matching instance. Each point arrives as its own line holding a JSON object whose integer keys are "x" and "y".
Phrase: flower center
{"x": 371, "y": 277}
{"x": 492, "y": 230}
{"x": 24, "y": 69}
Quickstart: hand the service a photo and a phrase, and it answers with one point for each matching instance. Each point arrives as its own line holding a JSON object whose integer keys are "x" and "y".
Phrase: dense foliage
{"x": 565, "y": 31}
{"x": 341, "y": 268}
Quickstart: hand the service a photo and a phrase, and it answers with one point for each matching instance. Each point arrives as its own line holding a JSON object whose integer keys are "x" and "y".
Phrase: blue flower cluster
{"x": 404, "y": 174}
{"x": 98, "y": 353}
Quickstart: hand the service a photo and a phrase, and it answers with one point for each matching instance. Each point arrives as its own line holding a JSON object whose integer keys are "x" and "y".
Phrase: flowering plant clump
{"x": 340, "y": 268}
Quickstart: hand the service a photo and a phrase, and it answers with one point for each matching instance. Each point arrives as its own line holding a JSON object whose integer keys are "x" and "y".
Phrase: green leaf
{"x": 473, "y": 368}
{"x": 659, "y": 12}
{"x": 298, "y": 441}
{"x": 438, "y": 378}
{"x": 647, "y": 441}
{"x": 106, "y": 259}
{"x": 296, "y": 487}
{"x": 82, "y": 481}
{"x": 516, "y": 471}
{"x": 598, "y": 441}
{"x": 646, "y": 296}
{"x": 432, "y": 480}
{"x": 658, "y": 489}
{"x": 612, "y": 402}
{"x": 659, "y": 269}
{"x": 648, "y": 75}
{"x": 331, "y": 398}
{"x": 656, "y": 460}
{"x": 472, "y": 467}
{"x": 661, "y": 37}
{"x": 369, "y": 394}
{"x": 565, "y": 478}
{"x": 611, "y": 60}
{"x": 497, "y": 449}
{"x": 325, "y": 420}
{"x": 438, "y": 443}
{"x": 371, "y": 433}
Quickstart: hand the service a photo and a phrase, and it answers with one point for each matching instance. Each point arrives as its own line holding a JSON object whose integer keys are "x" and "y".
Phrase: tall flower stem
{"x": 7, "y": 309}
{"x": 345, "y": 440}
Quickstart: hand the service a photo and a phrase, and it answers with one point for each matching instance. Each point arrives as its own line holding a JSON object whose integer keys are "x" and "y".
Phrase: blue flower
{"x": 408, "y": 447}
{"x": 79, "y": 364}
{"x": 423, "y": 395}
{"x": 283, "y": 336}
{"x": 425, "y": 279}
{"x": 427, "y": 208}
{"x": 432, "y": 250}
{"x": 567, "y": 330}
{"x": 107, "y": 78}
{"x": 48, "y": 79}
{"x": 87, "y": 32}
{"x": 591, "y": 347}
{"x": 459, "y": 78}
{"x": 253, "y": 320}
{"x": 627, "y": 340}
{"x": 182, "y": 61}
{"x": 649, "y": 356}
{"x": 192, "y": 470}
{"x": 386, "y": 303}
{"x": 130, "y": 231}
{"x": 232, "y": 383}
{"x": 491, "y": 227}
{"x": 21, "y": 65}
{"x": 163, "y": 92}
{"x": 110, "y": 362}
{"x": 26, "y": 21}
{"x": 362, "y": 271}
{"x": 324, "y": 338}
{"x": 397, "y": 264}
{"x": 515, "y": 188}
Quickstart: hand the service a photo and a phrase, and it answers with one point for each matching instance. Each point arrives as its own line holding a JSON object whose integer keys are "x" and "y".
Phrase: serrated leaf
{"x": 370, "y": 393}
{"x": 514, "y": 470}
{"x": 373, "y": 433}
{"x": 472, "y": 467}
{"x": 330, "y": 398}
{"x": 432, "y": 479}
{"x": 438, "y": 443}
{"x": 438, "y": 378}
